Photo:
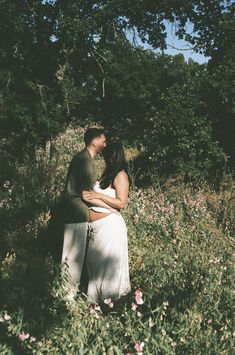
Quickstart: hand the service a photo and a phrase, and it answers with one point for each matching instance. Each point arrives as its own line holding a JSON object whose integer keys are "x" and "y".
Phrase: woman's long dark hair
{"x": 115, "y": 161}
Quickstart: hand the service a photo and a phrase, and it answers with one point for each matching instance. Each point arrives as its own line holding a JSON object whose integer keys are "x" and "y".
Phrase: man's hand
{"x": 93, "y": 197}
{"x": 90, "y": 195}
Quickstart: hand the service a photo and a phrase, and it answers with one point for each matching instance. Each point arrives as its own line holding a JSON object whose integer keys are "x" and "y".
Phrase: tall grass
{"x": 181, "y": 268}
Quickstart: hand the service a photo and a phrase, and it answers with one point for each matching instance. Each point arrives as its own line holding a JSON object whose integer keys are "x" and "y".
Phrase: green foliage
{"x": 79, "y": 61}
{"x": 219, "y": 96}
{"x": 135, "y": 80}
{"x": 180, "y": 140}
{"x": 180, "y": 256}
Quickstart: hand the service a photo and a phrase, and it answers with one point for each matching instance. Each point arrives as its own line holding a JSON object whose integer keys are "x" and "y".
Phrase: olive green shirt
{"x": 80, "y": 177}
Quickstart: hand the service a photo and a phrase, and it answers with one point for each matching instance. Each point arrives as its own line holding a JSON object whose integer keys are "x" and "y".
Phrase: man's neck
{"x": 92, "y": 151}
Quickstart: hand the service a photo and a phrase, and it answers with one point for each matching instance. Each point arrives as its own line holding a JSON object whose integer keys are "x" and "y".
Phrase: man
{"x": 81, "y": 176}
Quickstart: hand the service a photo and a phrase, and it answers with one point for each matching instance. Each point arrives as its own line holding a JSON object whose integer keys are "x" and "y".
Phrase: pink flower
{"x": 138, "y": 293}
{"x": 133, "y": 306}
{"x": 94, "y": 308}
{"x": 97, "y": 316}
{"x": 109, "y": 302}
{"x": 138, "y": 297}
{"x": 139, "y": 300}
{"x": 23, "y": 336}
{"x": 139, "y": 347}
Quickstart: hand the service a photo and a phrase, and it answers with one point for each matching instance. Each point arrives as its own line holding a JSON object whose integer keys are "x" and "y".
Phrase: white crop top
{"x": 109, "y": 191}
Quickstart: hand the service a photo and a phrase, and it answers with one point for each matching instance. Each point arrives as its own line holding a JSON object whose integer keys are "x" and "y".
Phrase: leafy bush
{"x": 180, "y": 140}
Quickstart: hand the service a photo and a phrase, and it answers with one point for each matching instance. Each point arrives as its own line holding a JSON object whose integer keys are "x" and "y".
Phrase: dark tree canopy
{"x": 80, "y": 61}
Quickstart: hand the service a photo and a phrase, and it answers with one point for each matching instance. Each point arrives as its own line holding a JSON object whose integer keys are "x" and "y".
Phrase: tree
{"x": 181, "y": 139}
{"x": 69, "y": 60}
{"x": 28, "y": 60}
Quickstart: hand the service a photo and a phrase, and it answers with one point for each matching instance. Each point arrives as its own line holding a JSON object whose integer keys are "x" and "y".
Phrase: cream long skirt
{"x": 107, "y": 259}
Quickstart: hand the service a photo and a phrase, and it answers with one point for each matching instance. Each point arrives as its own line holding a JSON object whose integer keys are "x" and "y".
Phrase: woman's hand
{"x": 90, "y": 195}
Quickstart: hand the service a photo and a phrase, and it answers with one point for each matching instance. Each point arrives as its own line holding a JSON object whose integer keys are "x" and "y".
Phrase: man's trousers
{"x": 74, "y": 248}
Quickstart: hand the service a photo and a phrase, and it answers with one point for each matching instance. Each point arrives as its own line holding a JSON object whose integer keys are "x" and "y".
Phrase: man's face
{"x": 100, "y": 143}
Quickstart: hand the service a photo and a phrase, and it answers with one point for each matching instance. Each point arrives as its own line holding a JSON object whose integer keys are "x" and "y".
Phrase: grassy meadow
{"x": 181, "y": 258}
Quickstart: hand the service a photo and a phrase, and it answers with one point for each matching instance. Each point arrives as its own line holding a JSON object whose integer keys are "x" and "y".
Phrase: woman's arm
{"x": 121, "y": 184}
{"x": 98, "y": 203}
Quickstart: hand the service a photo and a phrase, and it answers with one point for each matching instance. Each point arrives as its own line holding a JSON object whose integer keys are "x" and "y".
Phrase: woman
{"x": 107, "y": 254}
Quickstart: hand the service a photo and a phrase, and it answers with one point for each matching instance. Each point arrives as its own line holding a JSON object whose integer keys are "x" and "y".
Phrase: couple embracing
{"x": 95, "y": 206}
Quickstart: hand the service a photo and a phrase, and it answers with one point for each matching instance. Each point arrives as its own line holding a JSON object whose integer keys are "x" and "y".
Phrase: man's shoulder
{"x": 82, "y": 156}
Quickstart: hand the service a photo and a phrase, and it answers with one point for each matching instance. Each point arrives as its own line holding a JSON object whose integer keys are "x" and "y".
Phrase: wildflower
{"x": 32, "y": 339}
{"x": 109, "y": 302}
{"x": 151, "y": 323}
{"x": 214, "y": 260}
{"x": 209, "y": 321}
{"x": 138, "y": 293}
{"x": 139, "y": 347}
{"x": 6, "y": 184}
{"x": 165, "y": 305}
{"x": 97, "y": 316}
{"x": 133, "y": 306}
{"x": 94, "y": 309}
{"x": 139, "y": 315}
{"x": 71, "y": 294}
{"x": 138, "y": 297}
{"x": 6, "y": 317}
{"x": 23, "y": 336}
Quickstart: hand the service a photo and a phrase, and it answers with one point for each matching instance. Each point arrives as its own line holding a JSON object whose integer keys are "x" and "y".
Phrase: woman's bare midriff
{"x": 95, "y": 216}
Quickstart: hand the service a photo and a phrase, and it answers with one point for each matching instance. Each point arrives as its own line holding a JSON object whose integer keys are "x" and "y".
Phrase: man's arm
{"x": 99, "y": 203}
{"x": 87, "y": 175}
{"x": 121, "y": 184}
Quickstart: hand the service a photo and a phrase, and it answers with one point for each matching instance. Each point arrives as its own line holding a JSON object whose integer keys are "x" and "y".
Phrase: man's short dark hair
{"x": 92, "y": 133}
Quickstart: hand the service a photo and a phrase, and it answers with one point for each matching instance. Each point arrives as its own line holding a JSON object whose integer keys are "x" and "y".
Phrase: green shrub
{"x": 180, "y": 141}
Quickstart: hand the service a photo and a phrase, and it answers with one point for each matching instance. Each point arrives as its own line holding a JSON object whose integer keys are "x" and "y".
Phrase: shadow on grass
{"x": 29, "y": 271}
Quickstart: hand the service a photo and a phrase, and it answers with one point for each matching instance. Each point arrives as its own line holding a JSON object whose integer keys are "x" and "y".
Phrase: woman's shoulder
{"x": 122, "y": 173}
{"x": 121, "y": 177}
